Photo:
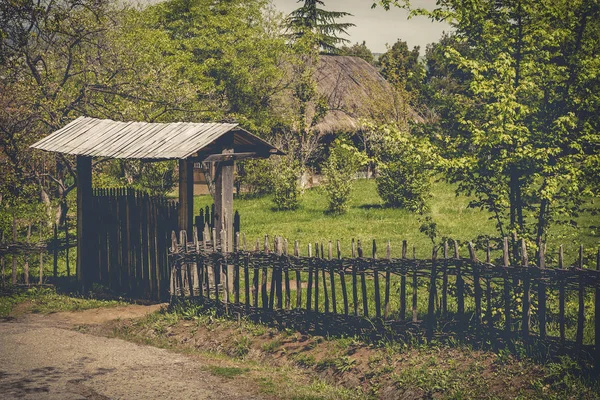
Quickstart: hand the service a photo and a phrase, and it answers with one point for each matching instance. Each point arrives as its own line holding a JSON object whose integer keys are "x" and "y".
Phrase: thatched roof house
{"x": 354, "y": 89}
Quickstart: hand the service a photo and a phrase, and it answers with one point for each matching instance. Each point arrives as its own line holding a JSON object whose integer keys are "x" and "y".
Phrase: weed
{"x": 241, "y": 346}
{"x": 272, "y": 346}
{"x": 304, "y": 360}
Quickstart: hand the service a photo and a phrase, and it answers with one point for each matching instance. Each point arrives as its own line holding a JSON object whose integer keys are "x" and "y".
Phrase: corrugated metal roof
{"x": 145, "y": 140}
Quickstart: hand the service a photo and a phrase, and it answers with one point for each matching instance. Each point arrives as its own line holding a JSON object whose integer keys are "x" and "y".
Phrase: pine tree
{"x": 322, "y": 23}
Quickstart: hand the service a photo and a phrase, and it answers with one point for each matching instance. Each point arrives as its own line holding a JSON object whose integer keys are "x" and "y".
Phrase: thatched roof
{"x": 354, "y": 89}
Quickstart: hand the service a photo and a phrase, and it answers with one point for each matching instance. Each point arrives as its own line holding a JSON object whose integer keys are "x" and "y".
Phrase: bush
{"x": 286, "y": 192}
{"x": 404, "y": 167}
{"x": 257, "y": 176}
{"x": 343, "y": 162}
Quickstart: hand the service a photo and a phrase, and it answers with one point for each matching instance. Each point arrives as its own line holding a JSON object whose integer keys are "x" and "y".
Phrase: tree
{"x": 321, "y": 23}
{"x": 526, "y": 126}
{"x": 402, "y": 67}
{"x": 339, "y": 170}
{"x": 358, "y": 50}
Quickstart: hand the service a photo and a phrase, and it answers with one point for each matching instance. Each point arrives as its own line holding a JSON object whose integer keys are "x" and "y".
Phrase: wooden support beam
{"x": 186, "y": 196}
{"x": 85, "y": 258}
{"x": 223, "y": 217}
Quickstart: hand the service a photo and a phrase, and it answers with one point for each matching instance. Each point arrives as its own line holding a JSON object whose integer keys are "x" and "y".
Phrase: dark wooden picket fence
{"x": 24, "y": 257}
{"x": 131, "y": 236}
{"x": 470, "y": 294}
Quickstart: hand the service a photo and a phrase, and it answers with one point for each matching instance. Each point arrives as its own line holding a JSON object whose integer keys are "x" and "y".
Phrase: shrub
{"x": 257, "y": 176}
{"x": 343, "y": 162}
{"x": 286, "y": 192}
{"x": 404, "y": 168}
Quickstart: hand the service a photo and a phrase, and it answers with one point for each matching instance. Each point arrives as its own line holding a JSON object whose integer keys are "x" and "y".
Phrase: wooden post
{"x": 342, "y": 279}
{"x": 542, "y": 291}
{"x": 26, "y": 264}
{"x": 363, "y": 284}
{"x": 224, "y": 170}
{"x": 581, "y": 298}
{"x": 507, "y": 298}
{"x": 460, "y": 285}
{"x": 431, "y": 323}
{"x": 488, "y": 287}
{"x": 445, "y": 281}
{"x": 415, "y": 284}
{"x": 332, "y": 279}
{"x": 85, "y": 254}
{"x": 310, "y": 279}
{"x": 317, "y": 279}
{"x": 376, "y": 283}
{"x": 67, "y": 247}
{"x": 476, "y": 283}
{"x": 14, "y": 255}
{"x": 325, "y": 294}
{"x": 561, "y": 296}
{"x": 354, "y": 280}
{"x": 403, "y": 284}
{"x": 386, "y": 299}
{"x": 298, "y": 277}
{"x": 597, "y": 317}
{"x": 526, "y": 316}
{"x": 186, "y": 196}
{"x": 263, "y": 284}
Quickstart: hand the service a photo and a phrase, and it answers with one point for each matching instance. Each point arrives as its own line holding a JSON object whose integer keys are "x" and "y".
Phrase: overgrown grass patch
{"x": 48, "y": 300}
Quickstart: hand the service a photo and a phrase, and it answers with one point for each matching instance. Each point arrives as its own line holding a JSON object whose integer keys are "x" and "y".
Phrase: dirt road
{"x": 42, "y": 357}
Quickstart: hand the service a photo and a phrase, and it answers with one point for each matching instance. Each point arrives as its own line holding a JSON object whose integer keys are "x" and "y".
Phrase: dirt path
{"x": 41, "y": 357}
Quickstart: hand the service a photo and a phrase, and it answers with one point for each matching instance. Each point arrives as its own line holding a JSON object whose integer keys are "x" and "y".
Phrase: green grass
{"x": 226, "y": 372}
{"x": 368, "y": 220}
{"x": 47, "y": 300}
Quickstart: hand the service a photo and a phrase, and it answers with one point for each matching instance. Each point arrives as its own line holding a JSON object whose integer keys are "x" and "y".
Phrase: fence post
{"x": 431, "y": 322}
{"x": 363, "y": 283}
{"x": 507, "y": 299}
{"x": 298, "y": 277}
{"x": 310, "y": 279}
{"x": 55, "y": 251}
{"x": 476, "y": 284}
{"x": 354, "y": 280}
{"x": 542, "y": 290}
{"x": 581, "y": 297}
{"x": 445, "y": 281}
{"x": 597, "y": 317}
{"x": 14, "y": 256}
{"x": 376, "y": 283}
{"x": 263, "y": 284}
{"x": 26, "y": 263}
{"x": 415, "y": 285}
{"x": 488, "y": 287}
{"x": 561, "y": 296}
{"x": 403, "y": 282}
{"x": 342, "y": 279}
{"x": 526, "y": 316}
{"x": 386, "y": 300}
{"x": 460, "y": 285}
{"x": 332, "y": 278}
{"x": 286, "y": 272}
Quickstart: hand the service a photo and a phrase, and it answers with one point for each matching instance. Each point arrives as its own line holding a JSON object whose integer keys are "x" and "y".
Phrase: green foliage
{"x": 320, "y": 23}
{"x": 404, "y": 168}
{"x": 339, "y": 170}
{"x": 286, "y": 191}
{"x": 519, "y": 113}
{"x": 358, "y": 50}
{"x": 256, "y": 176}
{"x": 401, "y": 66}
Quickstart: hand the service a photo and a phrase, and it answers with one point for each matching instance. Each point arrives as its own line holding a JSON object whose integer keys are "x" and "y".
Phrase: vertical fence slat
{"x": 476, "y": 283}
{"x": 597, "y": 317}
{"x": 263, "y": 286}
{"x": 332, "y": 278}
{"x": 14, "y": 256}
{"x": 561, "y": 296}
{"x": 363, "y": 283}
{"x": 354, "y": 281}
{"x": 526, "y": 315}
{"x": 507, "y": 296}
{"x": 298, "y": 277}
{"x": 542, "y": 291}
{"x": 460, "y": 285}
{"x": 415, "y": 285}
{"x": 317, "y": 277}
{"x": 310, "y": 279}
{"x": 403, "y": 282}
{"x": 488, "y": 287}
{"x": 287, "y": 275}
{"x": 342, "y": 279}
{"x": 376, "y": 282}
{"x": 431, "y": 322}
{"x": 581, "y": 301}
{"x": 386, "y": 300}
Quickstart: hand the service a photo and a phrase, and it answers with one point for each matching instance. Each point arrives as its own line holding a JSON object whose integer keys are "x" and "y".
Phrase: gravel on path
{"x": 40, "y": 359}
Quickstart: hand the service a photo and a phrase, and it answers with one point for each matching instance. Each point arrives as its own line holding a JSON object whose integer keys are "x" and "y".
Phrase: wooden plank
{"x": 460, "y": 285}
{"x": 354, "y": 281}
{"x": 236, "y": 271}
{"x": 431, "y": 321}
{"x": 561, "y": 297}
{"x": 298, "y": 278}
{"x": 317, "y": 277}
{"x": 415, "y": 285}
{"x": 55, "y": 252}
{"x": 287, "y": 276}
{"x": 363, "y": 283}
{"x": 581, "y": 301}
{"x": 403, "y": 284}
{"x": 310, "y": 280}
{"x": 476, "y": 283}
{"x": 343, "y": 279}
{"x": 597, "y": 317}
{"x": 263, "y": 287}
{"x": 325, "y": 295}
{"x": 526, "y": 302}
{"x": 14, "y": 256}
{"x": 488, "y": 288}
{"x": 507, "y": 295}
{"x": 376, "y": 283}
{"x": 542, "y": 291}
{"x": 41, "y": 270}
{"x": 274, "y": 280}
{"x": 85, "y": 255}
{"x": 386, "y": 306}
{"x": 246, "y": 273}
{"x": 332, "y": 279}
{"x": 255, "y": 278}
{"x": 445, "y": 281}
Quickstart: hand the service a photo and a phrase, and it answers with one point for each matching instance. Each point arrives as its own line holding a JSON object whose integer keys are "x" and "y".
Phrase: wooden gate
{"x": 131, "y": 234}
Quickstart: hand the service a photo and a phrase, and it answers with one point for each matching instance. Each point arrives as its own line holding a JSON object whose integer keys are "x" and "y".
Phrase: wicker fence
{"x": 523, "y": 300}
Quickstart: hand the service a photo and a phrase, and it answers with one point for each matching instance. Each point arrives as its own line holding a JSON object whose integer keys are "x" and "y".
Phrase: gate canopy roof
{"x": 149, "y": 140}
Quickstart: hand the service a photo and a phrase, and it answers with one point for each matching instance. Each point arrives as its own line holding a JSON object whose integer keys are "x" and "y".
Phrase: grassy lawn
{"x": 367, "y": 220}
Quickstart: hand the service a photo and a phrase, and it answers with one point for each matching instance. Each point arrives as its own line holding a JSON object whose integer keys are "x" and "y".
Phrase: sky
{"x": 378, "y": 27}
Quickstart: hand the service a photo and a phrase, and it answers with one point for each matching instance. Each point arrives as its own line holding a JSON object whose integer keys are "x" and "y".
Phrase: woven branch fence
{"x": 512, "y": 300}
